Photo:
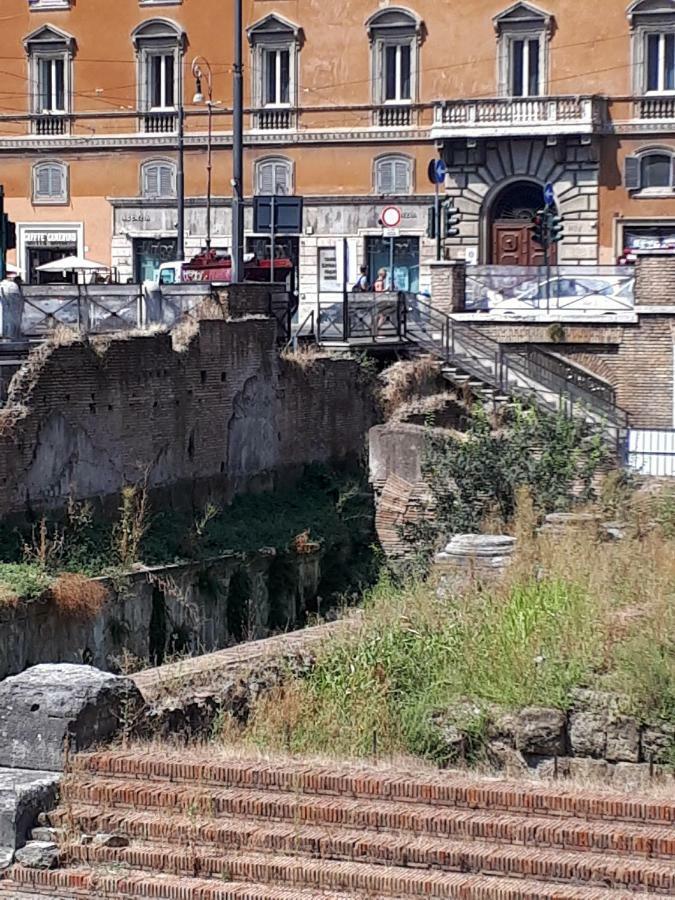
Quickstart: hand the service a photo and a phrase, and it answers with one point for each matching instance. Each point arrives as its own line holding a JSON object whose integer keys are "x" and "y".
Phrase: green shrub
{"x": 22, "y": 581}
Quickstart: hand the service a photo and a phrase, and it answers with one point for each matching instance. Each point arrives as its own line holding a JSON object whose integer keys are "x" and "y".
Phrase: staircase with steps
{"x": 200, "y": 827}
{"x": 497, "y": 372}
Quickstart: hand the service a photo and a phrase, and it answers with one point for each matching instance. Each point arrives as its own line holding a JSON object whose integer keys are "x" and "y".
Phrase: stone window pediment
{"x": 523, "y": 17}
{"x": 274, "y": 28}
{"x": 156, "y": 32}
{"x": 49, "y": 38}
{"x": 651, "y": 12}
{"x": 394, "y": 22}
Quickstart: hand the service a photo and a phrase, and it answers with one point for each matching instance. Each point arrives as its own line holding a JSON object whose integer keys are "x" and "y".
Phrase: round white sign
{"x": 391, "y": 216}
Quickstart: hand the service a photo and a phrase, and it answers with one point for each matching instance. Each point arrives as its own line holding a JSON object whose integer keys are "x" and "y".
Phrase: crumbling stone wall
{"x": 224, "y": 415}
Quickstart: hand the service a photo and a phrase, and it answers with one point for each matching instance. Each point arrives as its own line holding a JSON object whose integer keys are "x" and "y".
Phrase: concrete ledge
{"x": 23, "y": 794}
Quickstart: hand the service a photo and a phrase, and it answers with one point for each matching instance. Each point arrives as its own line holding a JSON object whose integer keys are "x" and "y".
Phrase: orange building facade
{"x": 346, "y": 104}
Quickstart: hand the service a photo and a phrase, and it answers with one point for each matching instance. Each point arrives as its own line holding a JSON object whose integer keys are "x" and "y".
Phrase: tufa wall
{"x": 223, "y": 415}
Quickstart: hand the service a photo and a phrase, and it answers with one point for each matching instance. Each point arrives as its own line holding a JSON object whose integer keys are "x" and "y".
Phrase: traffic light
{"x": 540, "y": 232}
{"x": 557, "y": 228}
{"x": 451, "y": 220}
{"x": 431, "y": 222}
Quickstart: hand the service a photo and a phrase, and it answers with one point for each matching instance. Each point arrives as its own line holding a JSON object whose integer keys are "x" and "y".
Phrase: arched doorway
{"x": 511, "y": 214}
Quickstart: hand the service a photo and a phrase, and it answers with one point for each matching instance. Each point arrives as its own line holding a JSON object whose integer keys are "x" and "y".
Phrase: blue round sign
{"x": 437, "y": 171}
{"x": 549, "y": 194}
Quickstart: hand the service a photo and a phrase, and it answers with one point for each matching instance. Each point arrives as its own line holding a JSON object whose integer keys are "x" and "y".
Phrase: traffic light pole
{"x": 437, "y": 215}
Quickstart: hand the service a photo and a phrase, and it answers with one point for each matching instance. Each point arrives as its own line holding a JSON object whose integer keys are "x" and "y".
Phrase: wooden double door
{"x": 512, "y": 245}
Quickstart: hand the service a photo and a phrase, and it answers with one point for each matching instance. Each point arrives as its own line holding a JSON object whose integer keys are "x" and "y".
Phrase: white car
{"x": 565, "y": 292}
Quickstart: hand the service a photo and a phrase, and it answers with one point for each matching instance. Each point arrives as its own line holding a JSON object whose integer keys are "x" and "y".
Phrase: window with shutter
{"x": 273, "y": 176}
{"x": 393, "y": 176}
{"x": 50, "y": 183}
{"x": 631, "y": 173}
{"x": 159, "y": 179}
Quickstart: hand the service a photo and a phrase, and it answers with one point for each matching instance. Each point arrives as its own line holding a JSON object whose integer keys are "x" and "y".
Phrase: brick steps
{"x": 94, "y": 883}
{"x": 86, "y": 882}
{"x": 371, "y": 783}
{"x": 387, "y": 866}
{"x": 206, "y": 830}
{"x": 95, "y": 797}
{"x": 400, "y": 848}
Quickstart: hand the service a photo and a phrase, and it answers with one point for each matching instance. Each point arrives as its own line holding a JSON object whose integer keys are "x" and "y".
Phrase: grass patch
{"x": 571, "y": 613}
{"x": 22, "y": 581}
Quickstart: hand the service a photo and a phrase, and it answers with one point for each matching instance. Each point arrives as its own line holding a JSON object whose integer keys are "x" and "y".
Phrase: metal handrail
{"x": 483, "y": 357}
{"x": 293, "y": 342}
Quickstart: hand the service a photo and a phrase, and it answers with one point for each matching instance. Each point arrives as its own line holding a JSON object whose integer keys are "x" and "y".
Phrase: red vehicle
{"x": 209, "y": 265}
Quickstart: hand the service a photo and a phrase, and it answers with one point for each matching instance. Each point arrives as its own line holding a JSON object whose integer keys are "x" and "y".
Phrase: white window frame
{"x": 49, "y": 44}
{"x": 522, "y": 22}
{"x": 157, "y": 37}
{"x": 258, "y": 166}
{"x": 269, "y": 34}
{"x": 647, "y": 18}
{"x": 148, "y": 163}
{"x": 62, "y": 199}
{"x": 398, "y": 27}
{"x": 392, "y": 159}
{"x": 277, "y": 51}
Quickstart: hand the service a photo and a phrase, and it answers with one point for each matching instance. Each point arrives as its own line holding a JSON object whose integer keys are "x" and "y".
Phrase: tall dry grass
{"x": 572, "y": 612}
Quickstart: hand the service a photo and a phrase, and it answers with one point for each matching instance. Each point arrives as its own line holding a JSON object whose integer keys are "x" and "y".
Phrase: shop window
{"x": 273, "y": 176}
{"x": 401, "y": 253}
{"x": 650, "y": 172}
{"x": 50, "y": 53}
{"x": 653, "y": 31}
{"x": 393, "y": 175}
{"x": 275, "y": 45}
{"x": 523, "y": 34}
{"x": 50, "y": 183}
{"x": 159, "y": 47}
{"x": 395, "y": 36}
{"x": 158, "y": 179}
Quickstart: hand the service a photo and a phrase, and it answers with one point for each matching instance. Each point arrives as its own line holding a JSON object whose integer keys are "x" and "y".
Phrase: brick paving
{"x": 209, "y": 829}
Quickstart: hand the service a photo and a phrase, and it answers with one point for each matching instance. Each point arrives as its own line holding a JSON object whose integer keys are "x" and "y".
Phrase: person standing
{"x": 361, "y": 286}
{"x": 381, "y": 282}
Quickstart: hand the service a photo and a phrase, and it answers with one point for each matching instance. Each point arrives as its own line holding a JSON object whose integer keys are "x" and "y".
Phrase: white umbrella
{"x": 72, "y": 264}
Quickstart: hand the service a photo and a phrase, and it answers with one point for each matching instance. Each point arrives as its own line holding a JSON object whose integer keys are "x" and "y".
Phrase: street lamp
{"x": 238, "y": 148}
{"x": 201, "y": 71}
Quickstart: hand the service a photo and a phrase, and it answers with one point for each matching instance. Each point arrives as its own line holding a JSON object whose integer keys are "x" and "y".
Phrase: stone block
{"x": 658, "y": 741}
{"x": 623, "y": 740}
{"x": 48, "y": 706}
{"x": 38, "y": 855}
{"x": 541, "y": 731}
{"x": 24, "y": 794}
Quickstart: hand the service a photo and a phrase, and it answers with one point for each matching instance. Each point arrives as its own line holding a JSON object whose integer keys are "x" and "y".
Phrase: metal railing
{"x": 358, "y": 317}
{"x": 36, "y": 312}
{"x": 306, "y": 329}
{"x": 533, "y": 291}
{"x": 530, "y": 372}
{"x": 651, "y": 451}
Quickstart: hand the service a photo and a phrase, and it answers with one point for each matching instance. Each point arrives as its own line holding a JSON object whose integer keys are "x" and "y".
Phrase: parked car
{"x": 578, "y": 293}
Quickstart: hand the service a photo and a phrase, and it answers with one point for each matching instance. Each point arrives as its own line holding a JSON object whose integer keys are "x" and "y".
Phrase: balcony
{"x": 159, "y": 122}
{"x": 517, "y": 117}
{"x": 393, "y": 116}
{"x": 274, "y": 118}
{"x": 50, "y": 124}
{"x": 655, "y": 109}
